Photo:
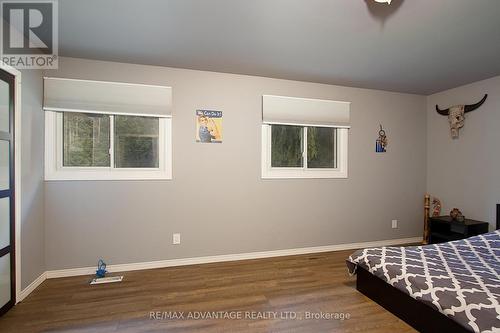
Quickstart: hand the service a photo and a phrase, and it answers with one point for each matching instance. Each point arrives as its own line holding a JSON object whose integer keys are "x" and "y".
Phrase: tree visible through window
{"x": 86, "y": 140}
{"x": 321, "y": 147}
{"x": 136, "y": 142}
{"x": 288, "y": 147}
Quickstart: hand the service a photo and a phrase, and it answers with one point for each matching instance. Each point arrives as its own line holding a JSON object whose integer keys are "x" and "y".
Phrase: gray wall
{"x": 217, "y": 200}
{"x": 32, "y": 185}
{"x": 464, "y": 173}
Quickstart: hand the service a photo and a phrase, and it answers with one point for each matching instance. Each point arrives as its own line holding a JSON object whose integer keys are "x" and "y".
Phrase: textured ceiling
{"x": 416, "y": 46}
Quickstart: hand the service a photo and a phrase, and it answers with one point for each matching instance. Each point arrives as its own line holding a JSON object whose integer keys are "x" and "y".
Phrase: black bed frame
{"x": 498, "y": 217}
{"x": 420, "y": 316}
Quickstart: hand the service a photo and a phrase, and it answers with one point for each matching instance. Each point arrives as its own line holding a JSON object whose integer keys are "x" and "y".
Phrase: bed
{"x": 447, "y": 287}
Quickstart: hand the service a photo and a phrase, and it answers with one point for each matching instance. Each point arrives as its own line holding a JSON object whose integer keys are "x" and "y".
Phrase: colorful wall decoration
{"x": 381, "y": 143}
{"x": 208, "y": 126}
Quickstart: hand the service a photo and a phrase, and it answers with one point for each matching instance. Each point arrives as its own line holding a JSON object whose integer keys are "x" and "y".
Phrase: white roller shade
{"x": 86, "y": 96}
{"x": 305, "y": 111}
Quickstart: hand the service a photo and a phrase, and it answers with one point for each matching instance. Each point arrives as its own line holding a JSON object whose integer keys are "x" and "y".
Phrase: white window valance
{"x": 305, "y": 112}
{"x": 72, "y": 95}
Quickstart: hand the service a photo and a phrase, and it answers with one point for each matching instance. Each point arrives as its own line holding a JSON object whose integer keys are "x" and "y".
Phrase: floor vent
{"x": 110, "y": 279}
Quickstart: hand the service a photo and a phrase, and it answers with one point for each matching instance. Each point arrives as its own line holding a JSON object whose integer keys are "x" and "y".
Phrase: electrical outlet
{"x": 394, "y": 224}
{"x": 176, "y": 239}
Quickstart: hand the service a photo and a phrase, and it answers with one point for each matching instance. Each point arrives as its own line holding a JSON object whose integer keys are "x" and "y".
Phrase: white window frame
{"x": 54, "y": 169}
{"x": 269, "y": 172}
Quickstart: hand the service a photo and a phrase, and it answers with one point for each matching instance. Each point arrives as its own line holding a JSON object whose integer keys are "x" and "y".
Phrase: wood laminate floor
{"x": 285, "y": 286}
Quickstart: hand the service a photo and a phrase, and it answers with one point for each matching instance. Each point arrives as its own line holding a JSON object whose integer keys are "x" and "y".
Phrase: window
{"x": 90, "y": 146}
{"x": 303, "y": 138}
{"x": 288, "y": 147}
{"x": 96, "y": 130}
{"x": 87, "y": 141}
{"x": 304, "y": 152}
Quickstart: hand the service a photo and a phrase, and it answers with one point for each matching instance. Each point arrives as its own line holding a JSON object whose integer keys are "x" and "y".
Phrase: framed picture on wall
{"x": 208, "y": 126}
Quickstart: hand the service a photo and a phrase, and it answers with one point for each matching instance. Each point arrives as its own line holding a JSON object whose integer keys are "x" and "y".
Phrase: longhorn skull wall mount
{"x": 456, "y": 115}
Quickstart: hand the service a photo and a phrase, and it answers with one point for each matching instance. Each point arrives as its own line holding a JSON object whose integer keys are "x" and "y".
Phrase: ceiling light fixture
{"x": 384, "y": 1}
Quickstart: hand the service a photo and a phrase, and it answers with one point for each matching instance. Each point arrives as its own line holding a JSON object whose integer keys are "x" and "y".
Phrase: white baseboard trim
{"x": 32, "y": 286}
{"x": 226, "y": 257}
{"x": 209, "y": 259}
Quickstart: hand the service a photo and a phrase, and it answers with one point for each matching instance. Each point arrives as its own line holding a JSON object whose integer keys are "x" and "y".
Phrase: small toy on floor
{"x": 100, "y": 275}
{"x": 101, "y": 269}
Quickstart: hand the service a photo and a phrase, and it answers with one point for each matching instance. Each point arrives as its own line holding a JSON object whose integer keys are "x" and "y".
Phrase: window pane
{"x": 286, "y": 146}
{"x": 86, "y": 140}
{"x": 321, "y": 147}
{"x": 136, "y": 142}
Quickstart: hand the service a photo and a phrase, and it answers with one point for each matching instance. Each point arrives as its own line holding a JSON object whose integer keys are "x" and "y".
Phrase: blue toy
{"x": 101, "y": 269}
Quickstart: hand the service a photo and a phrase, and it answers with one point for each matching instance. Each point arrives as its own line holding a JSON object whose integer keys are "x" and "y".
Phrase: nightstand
{"x": 444, "y": 229}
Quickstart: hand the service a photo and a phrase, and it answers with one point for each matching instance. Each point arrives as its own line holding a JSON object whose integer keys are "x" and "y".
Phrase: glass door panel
{"x": 4, "y": 106}
{"x": 7, "y": 262}
{"x": 4, "y": 222}
{"x": 4, "y": 165}
{"x": 5, "y": 283}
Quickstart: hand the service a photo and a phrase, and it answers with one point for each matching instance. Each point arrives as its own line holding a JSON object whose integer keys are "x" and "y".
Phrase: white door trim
{"x": 17, "y": 171}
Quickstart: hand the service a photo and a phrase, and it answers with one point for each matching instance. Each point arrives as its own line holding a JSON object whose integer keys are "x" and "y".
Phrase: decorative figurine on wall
{"x": 456, "y": 115}
{"x": 381, "y": 144}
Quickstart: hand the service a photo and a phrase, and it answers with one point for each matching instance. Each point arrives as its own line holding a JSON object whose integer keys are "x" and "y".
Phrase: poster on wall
{"x": 208, "y": 126}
